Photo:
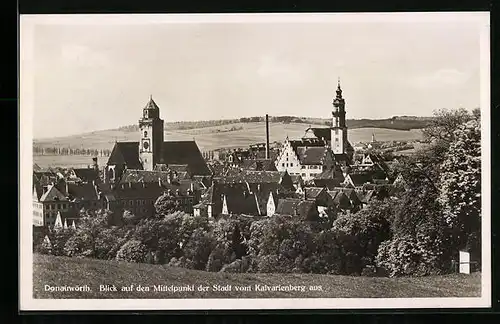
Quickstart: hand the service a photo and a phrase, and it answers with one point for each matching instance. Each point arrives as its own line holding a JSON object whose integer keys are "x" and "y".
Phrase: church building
{"x": 335, "y": 135}
{"x": 321, "y": 149}
{"x": 151, "y": 152}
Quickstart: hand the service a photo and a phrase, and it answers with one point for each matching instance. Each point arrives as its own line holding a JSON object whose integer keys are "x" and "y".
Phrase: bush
{"x": 360, "y": 234}
{"x": 58, "y": 239}
{"x": 80, "y": 244}
{"x": 132, "y": 251}
{"x": 422, "y": 255}
{"x": 198, "y": 249}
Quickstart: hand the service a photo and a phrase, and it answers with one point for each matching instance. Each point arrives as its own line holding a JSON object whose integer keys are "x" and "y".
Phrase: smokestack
{"x": 267, "y": 136}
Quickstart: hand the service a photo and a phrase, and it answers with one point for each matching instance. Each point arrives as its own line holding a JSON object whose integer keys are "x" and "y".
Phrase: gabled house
{"x": 366, "y": 196}
{"x": 83, "y": 175}
{"x": 303, "y": 209}
{"x": 357, "y": 179}
{"x": 341, "y": 199}
{"x": 304, "y": 158}
{"x": 47, "y": 201}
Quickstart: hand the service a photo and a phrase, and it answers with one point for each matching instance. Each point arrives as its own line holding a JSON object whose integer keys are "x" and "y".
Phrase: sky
{"x": 89, "y": 73}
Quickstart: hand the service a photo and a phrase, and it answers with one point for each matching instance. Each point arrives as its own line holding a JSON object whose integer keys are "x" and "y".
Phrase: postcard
{"x": 255, "y": 161}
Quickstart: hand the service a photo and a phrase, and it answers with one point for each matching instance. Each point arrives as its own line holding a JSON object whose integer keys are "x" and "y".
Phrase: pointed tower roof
{"x": 151, "y": 104}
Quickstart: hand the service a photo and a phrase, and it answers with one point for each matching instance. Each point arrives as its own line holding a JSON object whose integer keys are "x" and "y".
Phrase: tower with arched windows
{"x": 151, "y": 136}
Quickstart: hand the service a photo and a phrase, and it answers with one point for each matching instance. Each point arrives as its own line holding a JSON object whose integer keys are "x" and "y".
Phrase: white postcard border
{"x": 28, "y": 303}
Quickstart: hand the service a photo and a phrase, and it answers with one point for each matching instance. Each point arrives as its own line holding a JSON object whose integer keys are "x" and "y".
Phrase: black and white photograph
{"x": 255, "y": 161}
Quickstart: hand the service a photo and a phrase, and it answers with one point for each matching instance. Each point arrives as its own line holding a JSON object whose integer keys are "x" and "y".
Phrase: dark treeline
{"x": 399, "y": 123}
{"x": 39, "y": 150}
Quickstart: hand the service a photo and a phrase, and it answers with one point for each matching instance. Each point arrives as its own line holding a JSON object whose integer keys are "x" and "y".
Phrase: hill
{"x": 213, "y": 137}
{"x": 60, "y": 271}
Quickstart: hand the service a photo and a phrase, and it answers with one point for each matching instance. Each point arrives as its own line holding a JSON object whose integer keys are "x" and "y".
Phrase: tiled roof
{"x": 340, "y": 198}
{"x": 252, "y": 177}
{"x": 360, "y": 178}
{"x": 321, "y": 132}
{"x": 143, "y": 176}
{"x": 150, "y": 191}
{"x": 311, "y": 155}
{"x": 84, "y": 192}
{"x": 259, "y": 165}
{"x": 126, "y": 153}
{"x": 185, "y": 152}
{"x": 327, "y": 183}
{"x": 331, "y": 173}
{"x": 264, "y": 190}
{"x": 312, "y": 192}
{"x": 295, "y": 207}
{"x": 302, "y": 143}
{"x": 52, "y": 194}
{"x": 351, "y": 194}
{"x": 341, "y": 158}
{"x": 87, "y": 174}
{"x": 174, "y": 153}
{"x": 241, "y": 202}
{"x": 238, "y": 197}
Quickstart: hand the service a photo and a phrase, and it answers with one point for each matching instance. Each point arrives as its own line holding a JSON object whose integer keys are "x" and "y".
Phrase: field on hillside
{"x": 209, "y": 138}
{"x": 60, "y": 271}
{"x": 76, "y": 161}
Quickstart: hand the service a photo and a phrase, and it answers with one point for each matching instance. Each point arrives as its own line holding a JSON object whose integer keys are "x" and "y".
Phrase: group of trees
{"x": 433, "y": 212}
{"x": 439, "y": 212}
{"x": 40, "y": 150}
{"x": 232, "y": 244}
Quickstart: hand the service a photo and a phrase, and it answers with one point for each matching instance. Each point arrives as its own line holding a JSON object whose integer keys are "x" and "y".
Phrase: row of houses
{"x": 254, "y": 188}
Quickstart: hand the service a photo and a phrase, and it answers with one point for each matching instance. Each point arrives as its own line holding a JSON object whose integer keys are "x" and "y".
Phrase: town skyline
{"x": 207, "y": 71}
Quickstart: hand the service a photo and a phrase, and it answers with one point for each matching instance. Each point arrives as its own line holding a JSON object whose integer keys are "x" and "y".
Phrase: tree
{"x": 421, "y": 242}
{"x": 132, "y": 251}
{"x": 198, "y": 248}
{"x": 460, "y": 190}
{"x": 89, "y": 233}
{"x": 161, "y": 235}
{"x": 444, "y": 123}
{"x": 166, "y": 204}
{"x": 360, "y": 234}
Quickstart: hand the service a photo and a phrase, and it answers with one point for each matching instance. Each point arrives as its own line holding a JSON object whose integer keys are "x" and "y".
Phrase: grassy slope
{"x": 57, "y": 271}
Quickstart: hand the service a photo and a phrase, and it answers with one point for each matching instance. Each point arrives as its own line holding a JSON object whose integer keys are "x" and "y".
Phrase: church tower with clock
{"x": 151, "y": 136}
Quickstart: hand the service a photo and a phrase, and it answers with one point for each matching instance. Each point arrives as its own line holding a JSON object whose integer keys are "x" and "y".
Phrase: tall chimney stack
{"x": 267, "y": 136}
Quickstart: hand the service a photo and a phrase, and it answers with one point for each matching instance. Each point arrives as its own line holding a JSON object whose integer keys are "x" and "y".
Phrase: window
{"x": 283, "y": 164}
{"x": 131, "y": 202}
{"x": 145, "y": 134}
{"x": 336, "y": 139}
{"x": 303, "y": 174}
{"x": 291, "y": 164}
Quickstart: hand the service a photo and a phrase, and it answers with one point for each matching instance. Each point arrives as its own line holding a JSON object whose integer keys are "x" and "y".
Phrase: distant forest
{"x": 396, "y": 122}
